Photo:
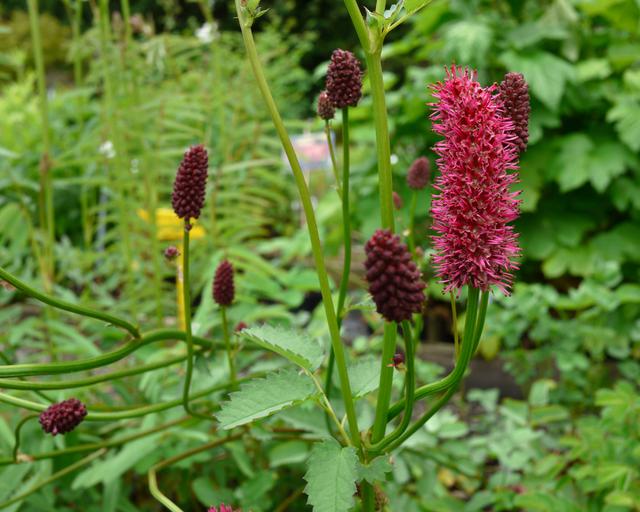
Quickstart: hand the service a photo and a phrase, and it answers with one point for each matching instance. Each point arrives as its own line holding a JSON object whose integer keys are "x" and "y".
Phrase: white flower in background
{"x": 394, "y": 159}
{"x": 106, "y": 149}
{"x": 207, "y": 32}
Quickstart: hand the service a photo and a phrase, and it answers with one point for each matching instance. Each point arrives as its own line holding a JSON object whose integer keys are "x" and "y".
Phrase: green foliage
{"x": 262, "y": 397}
{"x": 331, "y": 477}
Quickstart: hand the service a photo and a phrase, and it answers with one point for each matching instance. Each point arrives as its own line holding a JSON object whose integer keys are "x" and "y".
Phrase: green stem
{"x": 358, "y": 23}
{"x": 227, "y": 344}
{"x": 53, "y": 478}
{"x": 410, "y": 386}
{"x": 459, "y": 369}
{"x": 454, "y": 315}
{"x": 482, "y": 313}
{"x": 17, "y": 430}
{"x": 368, "y": 497}
{"x": 187, "y": 322}
{"x": 31, "y": 369}
{"x": 312, "y": 226}
{"x": 67, "y": 306}
{"x": 95, "y": 446}
{"x": 386, "y": 380}
{"x": 380, "y": 6}
{"x": 412, "y": 223}
{"x": 153, "y": 484}
{"x": 332, "y": 154}
{"x": 346, "y": 215}
{"x": 468, "y": 342}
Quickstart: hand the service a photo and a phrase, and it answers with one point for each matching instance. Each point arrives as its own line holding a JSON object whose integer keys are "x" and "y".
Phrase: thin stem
{"x": 153, "y": 484}
{"x": 31, "y": 369}
{"x": 227, "y": 344}
{"x": 458, "y": 370}
{"x": 380, "y": 6}
{"x": 358, "y": 23}
{"x": 410, "y": 386}
{"x": 53, "y": 478}
{"x": 312, "y": 226}
{"x": 368, "y": 497}
{"x": 412, "y": 223}
{"x": 67, "y": 306}
{"x": 346, "y": 215}
{"x": 186, "y": 290}
{"x": 95, "y": 446}
{"x": 326, "y": 405}
{"x": 332, "y": 154}
{"x": 454, "y": 327}
{"x": 17, "y": 431}
{"x": 482, "y": 313}
{"x": 386, "y": 380}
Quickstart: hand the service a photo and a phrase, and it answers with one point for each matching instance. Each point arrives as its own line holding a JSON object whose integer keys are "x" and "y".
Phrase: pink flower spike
{"x": 223, "y": 508}
{"x": 474, "y": 204}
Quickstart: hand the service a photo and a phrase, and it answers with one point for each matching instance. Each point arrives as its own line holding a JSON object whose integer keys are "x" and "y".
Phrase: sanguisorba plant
{"x": 483, "y": 129}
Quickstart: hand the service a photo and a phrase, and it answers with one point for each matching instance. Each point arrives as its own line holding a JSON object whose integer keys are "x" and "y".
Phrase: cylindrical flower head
{"x": 344, "y": 79}
{"x": 326, "y": 110}
{"x": 394, "y": 280}
{"x": 418, "y": 175}
{"x": 475, "y": 246}
{"x": 514, "y": 92}
{"x": 223, "y": 287}
{"x": 397, "y": 200}
{"x": 189, "y": 187}
{"x": 63, "y": 417}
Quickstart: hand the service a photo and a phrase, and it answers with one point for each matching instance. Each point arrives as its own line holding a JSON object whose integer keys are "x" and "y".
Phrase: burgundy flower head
{"x": 171, "y": 253}
{"x": 326, "y": 110}
{"x": 223, "y": 287}
{"x": 344, "y": 79}
{"x": 190, "y": 184}
{"x": 397, "y": 200}
{"x": 418, "y": 175}
{"x": 240, "y": 326}
{"x": 394, "y": 280}
{"x": 63, "y": 417}
{"x": 474, "y": 204}
{"x": 514, "y": 92}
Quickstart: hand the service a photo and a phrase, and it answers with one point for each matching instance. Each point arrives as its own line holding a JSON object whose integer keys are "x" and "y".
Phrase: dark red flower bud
{"x": 397, "y": 200}
{"x": 189, "y": 188}
{"x": 223, "y": 287}
{"x": 394, "y": 280}
{"x": 344, "y": 79}
{"x": 223, "y": 508}
{"x": 171, "y": 253}
{"x": 418, "y": 175}
{"x": 326, "y": 110}
{"x": 397, "y": 361}
{"x": 63, "y": 417}
{"x": 240, "y": 326}
{"x": 514, "y": 92}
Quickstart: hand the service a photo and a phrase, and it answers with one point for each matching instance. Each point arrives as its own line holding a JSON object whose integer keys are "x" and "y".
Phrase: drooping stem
{"x": 410, "y": 386}
{"x": 227, "y": 344}
{"x": 386, "y": 380}
{"x": 67, "y": 306}
{"x": 17, "y": 430}
{"x": 305, "y": 198}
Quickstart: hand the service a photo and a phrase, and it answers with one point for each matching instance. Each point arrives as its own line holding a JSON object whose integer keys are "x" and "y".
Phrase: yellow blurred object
{"x": 170, "y": 227}
{"x": 490, "y": 347}
{"x": 446, "y": 477}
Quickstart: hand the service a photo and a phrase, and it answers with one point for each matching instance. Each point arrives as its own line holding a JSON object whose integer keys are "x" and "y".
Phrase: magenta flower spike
{"x": 474, "y": 203}
{"x": 63, "y": 417}
{"x": 223, "y": 508}
{"x": 189, "y": 187}
{"x": 223, "y": 285}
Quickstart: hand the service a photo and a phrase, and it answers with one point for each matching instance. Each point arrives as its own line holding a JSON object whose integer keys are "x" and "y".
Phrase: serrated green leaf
{"x": 331, "y": 477}
{"x": 262, "y": 397}
{"x": 297, "y": 347}
{"x": 364, "y": 376}
{"x": 626, "y": 116}
{"x": 375, "y": 471}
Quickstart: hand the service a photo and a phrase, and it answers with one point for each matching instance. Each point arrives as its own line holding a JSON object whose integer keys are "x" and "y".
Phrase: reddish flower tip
{"x": 171, "y": 253}
{"x": 514, "y": 92}
{"x": 189, "y": 187}
{"x": 472, "y": 208}
{"x": 326, "y": 110}
{"x": 63, "y": 417}
{"x": 344, "y": 79}
{"x": 394, "y": 280}
{"x": 418, "y": 175}
{"x": 223, "y": 287}
{"x": 397, "y": 200}
{"x": 240, "y": 326}
{"x": 223, "y": 508}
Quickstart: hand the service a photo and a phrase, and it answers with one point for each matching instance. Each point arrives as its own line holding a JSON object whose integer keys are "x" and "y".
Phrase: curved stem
{"x": 227, "y": 344}
{"x": 312, "y": 226}
{"x": 17, "y": 430}
{"x": 458, "y": 370}
{"x": 326, "y": 405}
{"x": 67, "y": 306}
{"x": 386, "y": 380}
{"x": 31, "y": 369}
{"x": 153, "y": 484}
{"x": 332, "y": 154}
{"x": 410, "y": 386}
{"x": 53, "y": 478}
